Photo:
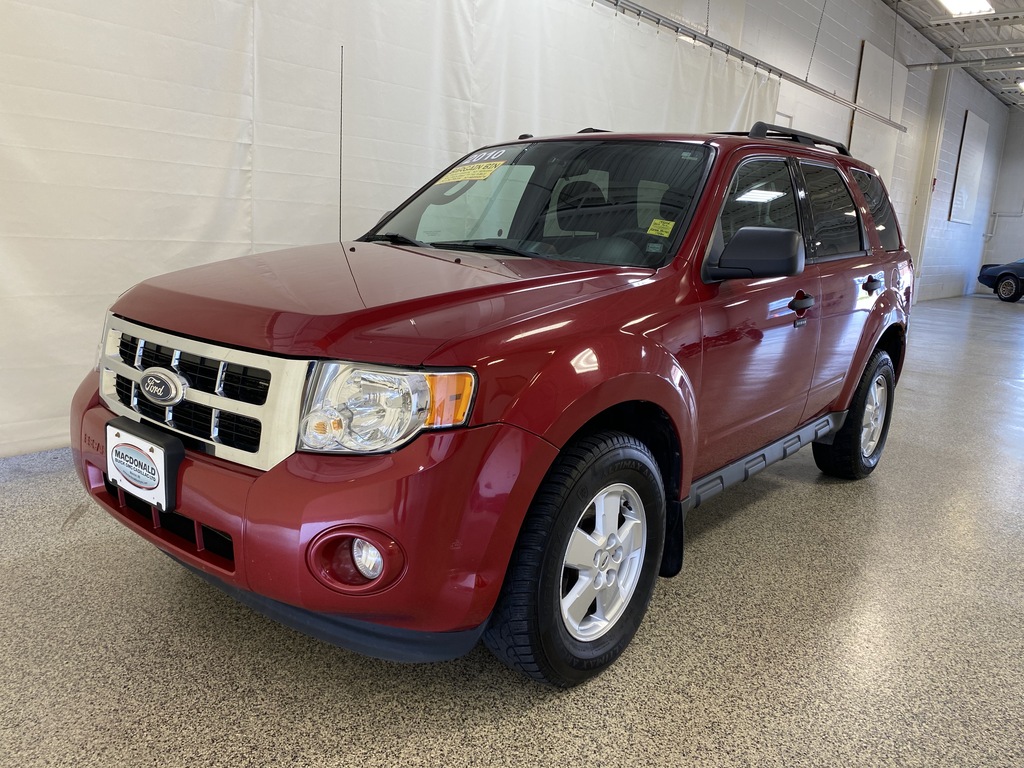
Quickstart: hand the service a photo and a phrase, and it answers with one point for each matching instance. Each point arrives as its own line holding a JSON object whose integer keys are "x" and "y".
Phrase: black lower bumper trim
{"x": 376, "y": 640}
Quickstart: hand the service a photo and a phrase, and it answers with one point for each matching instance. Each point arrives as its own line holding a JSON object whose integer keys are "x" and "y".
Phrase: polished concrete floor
{"x": 815, "y": 623}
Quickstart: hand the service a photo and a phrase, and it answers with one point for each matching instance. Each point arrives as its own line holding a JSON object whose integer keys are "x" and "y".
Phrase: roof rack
{"x": 761, "y": 130}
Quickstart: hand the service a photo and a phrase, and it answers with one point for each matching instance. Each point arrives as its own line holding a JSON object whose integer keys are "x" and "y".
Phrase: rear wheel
{"x": 857, "y": 447}
{"x": 1009, "y": 288}
{"x": 585, "y": 563}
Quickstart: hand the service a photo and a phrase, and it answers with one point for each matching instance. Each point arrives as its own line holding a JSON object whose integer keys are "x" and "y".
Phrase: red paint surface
{"x": 553, "y": 344}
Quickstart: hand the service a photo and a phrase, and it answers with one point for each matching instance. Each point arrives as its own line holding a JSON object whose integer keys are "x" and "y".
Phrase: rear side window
{"x": 880, "y": 207}
{"x": 761, "y": 195}
{"x": 836, "y": 224}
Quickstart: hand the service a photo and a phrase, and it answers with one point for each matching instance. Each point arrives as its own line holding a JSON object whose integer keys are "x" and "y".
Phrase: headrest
{"x": 574, "y": 196}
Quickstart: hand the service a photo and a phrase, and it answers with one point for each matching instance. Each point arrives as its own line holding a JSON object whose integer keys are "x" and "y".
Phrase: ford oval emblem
{"x": 162, "y": 386}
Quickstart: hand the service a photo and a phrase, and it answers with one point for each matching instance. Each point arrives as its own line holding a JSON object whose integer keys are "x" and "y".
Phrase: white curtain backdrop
{"x": 138, "y": 138}
{"x": 485, "y": 72}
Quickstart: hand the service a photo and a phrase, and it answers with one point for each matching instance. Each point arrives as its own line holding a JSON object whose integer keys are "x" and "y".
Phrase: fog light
{"x": 367, "y": 558}
{"x": 355, "y": 560}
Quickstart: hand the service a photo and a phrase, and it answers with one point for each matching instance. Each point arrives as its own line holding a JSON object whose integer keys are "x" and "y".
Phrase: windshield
{"x": 609, "y": 202}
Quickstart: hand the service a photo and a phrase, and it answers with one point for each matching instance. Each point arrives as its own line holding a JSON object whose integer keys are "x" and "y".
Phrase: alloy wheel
{"x": 602, "y": 562}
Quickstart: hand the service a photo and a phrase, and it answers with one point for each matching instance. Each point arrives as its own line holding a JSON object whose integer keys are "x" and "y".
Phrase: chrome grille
{"x": 230, "y": 406}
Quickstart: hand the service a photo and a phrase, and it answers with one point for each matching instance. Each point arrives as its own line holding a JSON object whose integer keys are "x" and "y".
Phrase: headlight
{"x": 352, "y": 408}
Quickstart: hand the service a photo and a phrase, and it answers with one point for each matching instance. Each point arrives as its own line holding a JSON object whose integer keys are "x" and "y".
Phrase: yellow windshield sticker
{"x": 661, "y": 228}
{"x": 472, "y": 172}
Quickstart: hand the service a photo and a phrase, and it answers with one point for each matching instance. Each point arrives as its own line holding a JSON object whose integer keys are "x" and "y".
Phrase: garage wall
{"x": 952, "y": 250}
{"x": 1006, "y": 244}
{"x": 783, "y": 32}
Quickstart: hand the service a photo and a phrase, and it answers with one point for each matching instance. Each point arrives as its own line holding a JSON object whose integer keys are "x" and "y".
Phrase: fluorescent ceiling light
{"x": 1021, "y": 85}
{"x": 967, "y": 7}
{"x": 759, "y": 196}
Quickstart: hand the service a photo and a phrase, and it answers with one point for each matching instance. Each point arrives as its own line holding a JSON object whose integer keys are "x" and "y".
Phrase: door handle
{"x": 801, "y": 303}
{"x": 872, "y": 284}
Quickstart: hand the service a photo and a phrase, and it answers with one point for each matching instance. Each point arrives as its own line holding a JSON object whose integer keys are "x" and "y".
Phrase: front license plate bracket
{"x": 144, "y": 462}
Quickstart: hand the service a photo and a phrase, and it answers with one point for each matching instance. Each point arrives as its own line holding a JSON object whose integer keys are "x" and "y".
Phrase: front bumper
{"x": 452, "y": 501}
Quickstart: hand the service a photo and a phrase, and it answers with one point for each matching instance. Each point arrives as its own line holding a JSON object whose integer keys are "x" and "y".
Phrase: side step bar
{"x": 821, "y": 430}
{"x": 818, "y": 431}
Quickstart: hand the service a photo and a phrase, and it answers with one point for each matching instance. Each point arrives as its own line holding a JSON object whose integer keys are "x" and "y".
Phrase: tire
{"x": 1009, "y": 288}
{"x": 579, "y": 581}
{"x": 858, "y": 445}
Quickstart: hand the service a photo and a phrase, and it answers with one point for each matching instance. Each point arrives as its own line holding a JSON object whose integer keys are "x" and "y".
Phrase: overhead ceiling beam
{"x": 990, "y": 19}
{"x": 1001, "y": 68}
{"x": 985, "y": 64}
{"x": 990, "y": 46}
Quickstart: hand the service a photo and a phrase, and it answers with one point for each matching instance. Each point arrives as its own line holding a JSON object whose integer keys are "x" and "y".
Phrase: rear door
{"x": 851, "y": 273}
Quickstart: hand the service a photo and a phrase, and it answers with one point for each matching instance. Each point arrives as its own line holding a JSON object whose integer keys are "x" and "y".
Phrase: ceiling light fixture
{"x": 1020, "y": 84}
{"x": 967, "y": 7}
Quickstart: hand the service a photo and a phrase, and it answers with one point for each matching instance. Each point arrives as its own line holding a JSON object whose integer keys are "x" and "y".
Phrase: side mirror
{"x": 759, "y": 252}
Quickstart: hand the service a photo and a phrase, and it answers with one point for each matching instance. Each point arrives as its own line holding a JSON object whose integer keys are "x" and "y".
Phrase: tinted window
{"x": 881, "y": 209}
{"x": 836, "y": 224}
{"x": 761, "y": 195}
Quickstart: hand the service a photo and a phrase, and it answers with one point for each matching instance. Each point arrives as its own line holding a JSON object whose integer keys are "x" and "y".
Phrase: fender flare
{"x": 888, "y": 312}
{"x": 586, "y": 377}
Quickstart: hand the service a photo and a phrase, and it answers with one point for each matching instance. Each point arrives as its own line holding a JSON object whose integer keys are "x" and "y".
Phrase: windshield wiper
{"x": 395, "y": 239}
{"x": 488, "y": 246}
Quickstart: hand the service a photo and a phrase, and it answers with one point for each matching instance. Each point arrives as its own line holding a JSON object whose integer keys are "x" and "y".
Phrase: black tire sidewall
{"x": 1015, "y": 294}
{"x": 569, "y": 659}
{"x": 881, "y": 365}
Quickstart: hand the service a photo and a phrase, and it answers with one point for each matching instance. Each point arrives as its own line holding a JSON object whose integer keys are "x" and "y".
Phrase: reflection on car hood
{"x": 362, "y": 301}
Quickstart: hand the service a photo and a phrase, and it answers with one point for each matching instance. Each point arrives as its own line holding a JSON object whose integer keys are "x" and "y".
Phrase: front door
{"x": 759, "y": 336}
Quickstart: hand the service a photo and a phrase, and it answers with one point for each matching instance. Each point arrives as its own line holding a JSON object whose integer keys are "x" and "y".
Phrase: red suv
{"x": 490, "y": 415}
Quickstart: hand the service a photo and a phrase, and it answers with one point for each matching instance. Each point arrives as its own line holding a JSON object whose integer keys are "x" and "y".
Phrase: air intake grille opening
{"x": 183, "y": 532}
{"x": 215, "y": 377}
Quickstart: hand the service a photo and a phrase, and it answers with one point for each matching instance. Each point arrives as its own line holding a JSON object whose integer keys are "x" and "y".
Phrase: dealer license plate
{"x": 143, "y": 462}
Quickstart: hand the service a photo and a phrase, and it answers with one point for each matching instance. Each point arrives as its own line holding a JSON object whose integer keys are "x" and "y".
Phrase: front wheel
{"x": 1009, "y": 288}
{"x": 585, "y": 563}
{"x": 857, "y": 446}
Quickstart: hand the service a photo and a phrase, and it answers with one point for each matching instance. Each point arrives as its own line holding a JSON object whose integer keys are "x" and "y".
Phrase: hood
{"x": 368, "y": 302}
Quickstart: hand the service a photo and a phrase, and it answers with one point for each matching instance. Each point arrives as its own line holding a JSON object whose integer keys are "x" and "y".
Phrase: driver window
{"x": 761, "y": 195}
{"x": 478, "y": 209}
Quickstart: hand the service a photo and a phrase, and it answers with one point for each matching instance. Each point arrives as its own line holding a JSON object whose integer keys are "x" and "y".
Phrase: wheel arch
{"x": 894, "y": 342}
{"x": 886, "y": 330}
{"x": 651, "y": 425}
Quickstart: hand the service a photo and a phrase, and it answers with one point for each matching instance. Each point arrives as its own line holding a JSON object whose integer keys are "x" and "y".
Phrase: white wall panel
{"x": 952, "y": 250}
{"x": 1005, "y": 245}
{"x": 881, "y": 88}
